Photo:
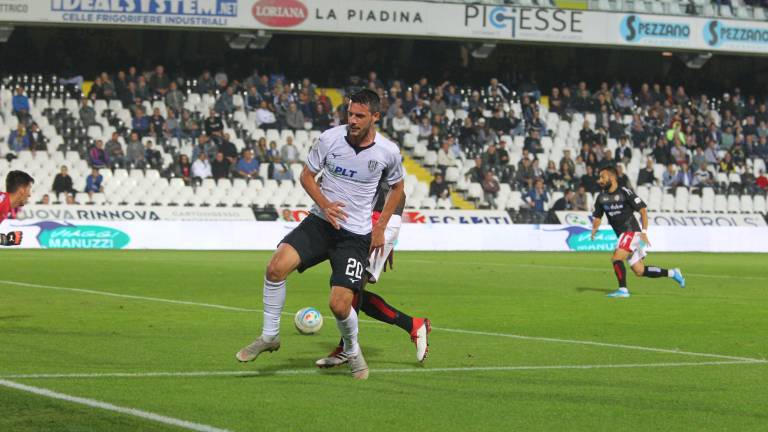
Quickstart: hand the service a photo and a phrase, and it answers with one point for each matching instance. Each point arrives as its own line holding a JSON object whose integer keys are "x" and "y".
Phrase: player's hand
{"x": 13, "y": 238}
{"x": 377, "y": 241}
{"x": 334, "y": 213}
{"x": 644, "y": 238}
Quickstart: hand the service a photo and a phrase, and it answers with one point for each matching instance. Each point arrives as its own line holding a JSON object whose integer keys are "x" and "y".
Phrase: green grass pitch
{"x": 522, "y": 341}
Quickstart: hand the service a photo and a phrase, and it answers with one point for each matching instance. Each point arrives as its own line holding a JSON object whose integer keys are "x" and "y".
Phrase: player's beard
{"x": 607, "y": 187}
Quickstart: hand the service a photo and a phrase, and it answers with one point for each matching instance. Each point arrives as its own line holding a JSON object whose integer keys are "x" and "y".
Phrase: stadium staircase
{"x": 425, "y": 176}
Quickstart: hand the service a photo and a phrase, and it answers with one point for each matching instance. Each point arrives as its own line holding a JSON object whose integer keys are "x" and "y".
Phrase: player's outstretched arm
{"x": 644, "y": 222}
{"x": 595, "y": 226}
{"x": 13, "y": 238}
{"x": 333, "y": 210}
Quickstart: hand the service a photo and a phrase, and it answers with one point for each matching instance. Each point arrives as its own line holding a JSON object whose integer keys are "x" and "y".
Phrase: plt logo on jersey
{"x": 340, "y": 171}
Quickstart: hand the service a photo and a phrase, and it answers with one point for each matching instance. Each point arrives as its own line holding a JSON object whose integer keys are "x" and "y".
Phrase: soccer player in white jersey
{"x": 353, "y": 158}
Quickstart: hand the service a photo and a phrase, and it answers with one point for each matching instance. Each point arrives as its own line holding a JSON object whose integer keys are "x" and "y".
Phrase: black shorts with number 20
{"x": 317, "y": 240}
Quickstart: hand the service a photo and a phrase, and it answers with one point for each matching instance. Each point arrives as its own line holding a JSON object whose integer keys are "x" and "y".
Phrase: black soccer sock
{"x": 655, "y": 272}
{"x": 621, "y": 273}
{"x": 375, "y": 307}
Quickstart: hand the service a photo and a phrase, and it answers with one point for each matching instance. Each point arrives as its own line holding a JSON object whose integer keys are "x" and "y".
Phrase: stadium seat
{"x": 668, "y": 203}
{"x": 721, "y": 204}
{"x": 734, "y": 204}
{"x": 747, "y": 205}
{"x": 758, "y": 204}
{"x": 694, "y": 203}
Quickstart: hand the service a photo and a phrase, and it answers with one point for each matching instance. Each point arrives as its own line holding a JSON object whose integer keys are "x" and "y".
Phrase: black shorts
{"x": 317, "y": 240}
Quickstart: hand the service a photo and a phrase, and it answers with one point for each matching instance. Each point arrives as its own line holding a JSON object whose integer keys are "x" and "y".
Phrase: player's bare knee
{"x": 638, "y": 270}
{"x": 275, "y": 272}
{"x": 340, "y": 307}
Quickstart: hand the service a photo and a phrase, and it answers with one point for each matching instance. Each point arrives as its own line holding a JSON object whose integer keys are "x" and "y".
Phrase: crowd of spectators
{"x": 694, "y": 136}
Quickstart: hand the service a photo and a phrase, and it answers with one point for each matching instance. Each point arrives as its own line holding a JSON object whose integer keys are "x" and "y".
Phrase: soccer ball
{"x": 308, "y": 321}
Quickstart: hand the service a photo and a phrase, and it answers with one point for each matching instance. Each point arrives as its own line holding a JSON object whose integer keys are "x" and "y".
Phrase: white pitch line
{"x": 314, "y": 371}
{"x": 146, "y": 415}
{"x": 448, "y": 330}
{"x": 559, "y": 267}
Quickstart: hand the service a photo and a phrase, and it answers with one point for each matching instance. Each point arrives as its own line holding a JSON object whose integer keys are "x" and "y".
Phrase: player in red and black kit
{"x": 18, "y": 188}
{"x": 620, "y": 204}
{"x": 372, "y": 304}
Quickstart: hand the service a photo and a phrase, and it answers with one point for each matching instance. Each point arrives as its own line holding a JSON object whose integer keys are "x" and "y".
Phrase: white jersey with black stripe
{"x": 351, "y": 175}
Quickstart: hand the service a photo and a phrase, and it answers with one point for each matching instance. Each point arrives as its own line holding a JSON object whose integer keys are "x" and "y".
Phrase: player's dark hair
{"x": 611, "y": 169}
{"x": 368, "y": 98}
{"x": 17, "y": 179}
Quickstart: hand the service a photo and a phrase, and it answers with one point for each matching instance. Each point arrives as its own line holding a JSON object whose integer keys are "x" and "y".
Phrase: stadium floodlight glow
{"x": 666, "y": 54}
{"x": 252, "y": 40}
{"x": 484, "y": 50}
{"x": 5, "y": 33}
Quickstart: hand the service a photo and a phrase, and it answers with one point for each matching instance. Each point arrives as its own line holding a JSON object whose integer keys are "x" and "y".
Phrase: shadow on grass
{"x": 600, "y": 290}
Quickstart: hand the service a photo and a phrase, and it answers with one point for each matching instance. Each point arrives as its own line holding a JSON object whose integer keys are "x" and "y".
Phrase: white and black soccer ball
{"x": 308, "y": 321}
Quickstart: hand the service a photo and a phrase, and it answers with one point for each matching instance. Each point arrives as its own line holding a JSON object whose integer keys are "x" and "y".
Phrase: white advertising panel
{"x": 674, "y": 219}
{"x": 504, "y": 23}
{"x": 414, "y": 237}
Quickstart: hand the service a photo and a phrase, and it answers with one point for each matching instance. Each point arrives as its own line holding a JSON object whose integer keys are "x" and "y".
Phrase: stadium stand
{"x": 681, "y": 152}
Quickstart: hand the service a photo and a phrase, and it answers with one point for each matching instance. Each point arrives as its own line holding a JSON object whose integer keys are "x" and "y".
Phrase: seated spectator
{"x": 401, "y": 125}
{"x": 425, "y": 129}
{"x": 622, "y": 178}
{"x": 711, "y": 153}
{"x": 491, "y": 157}
{"x": 552, "y": 176}
{"x": 114, "y": 151}
{"x": 265, "y": 118}
{"x": 153, "y": 157}
{"x": 439, "y": 188}
{"x": 97, "y": 156}
{"x": 533, "y": 142}
{"x": 201, "y": 169}
{"x": 762, "y": 181}
{"x": 229, "y": 149}
{"x": 501, "y": 150}
{"x": 536, "y": 200}
{"x": 220, "y": 166}
{"x": 213, "y": 125}
{"x": 581, "y": 200}
{"x": 172, "y": 127}
{"x": 45, "y": 200}
{"x": 247, "y": 167}
{"x": 491, "y": 189}
{"x": 323, "y": 118}
{"x": 445, "y": 157}
{"x": 87, "y": 114}
{"x": 136, "y": 152}
{"x": 93, "y": 183}
{"x": 702, "y": 178}
{"x": 37, "y": 141}
{"x": 262, "y": 152}
{"x": 646, "y": 175}
{"x": 140, "y": 122}
{"x": 477, "y": 172}
{"x": 278, "y": 170}
{"x": 272, "y": 152}
{"x": 294, "y": 118}
{"x": 69, "y": 199}
{"x": 589, "y": 180}
{"x": 174, "y": 98}
{"x": 668, "y": 180}
{"x": 698, "y": 158}
{"x": 679, "y": 153}
{"x": 225, "y": 104}
{"x": 62, "y": 183}
{"x": 159, "y": 82}
{"x": 566, "y": 202}
{"x": 525, "y": 174}
{"x": 204, "y": 145}
{"x": 289, "y": 153}
{"x": 580, "y": 167}
{"x": 20, "y": 104}
{"x": 157, "y": 124}
{"x": 206, "y": 83}
{"x": 190, "y": 128}
{"x": 183, "y": 169}
{"x": 727, "y": 165}
{"x": 624, "y": 152}
{"x": 19, "y": 139}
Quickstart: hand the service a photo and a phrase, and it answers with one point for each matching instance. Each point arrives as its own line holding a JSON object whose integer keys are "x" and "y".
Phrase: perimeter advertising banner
{"x": 674, "y": 219}
{"x": 184, "y": 235}
{"x": 504, "y": 23}
{"x": 465, "y": 217}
